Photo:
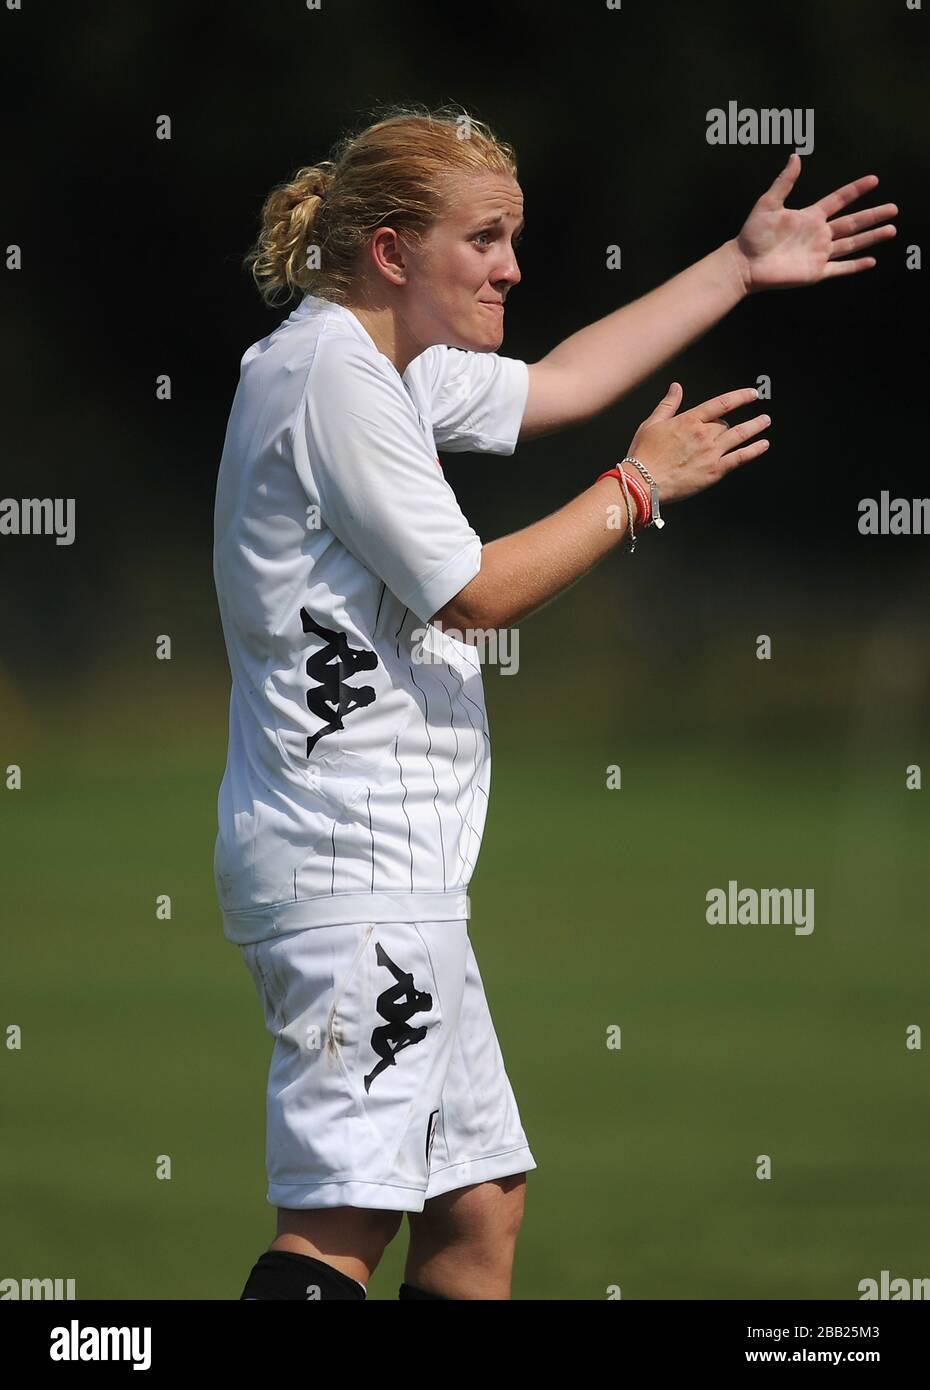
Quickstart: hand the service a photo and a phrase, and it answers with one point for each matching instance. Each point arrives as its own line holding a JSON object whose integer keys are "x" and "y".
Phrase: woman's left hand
{"x": 781, "y": 247}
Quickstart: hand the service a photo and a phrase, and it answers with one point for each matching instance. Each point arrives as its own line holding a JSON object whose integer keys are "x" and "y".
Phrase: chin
{"x": 491, "y": 340}
{"x": 477, "y": 342}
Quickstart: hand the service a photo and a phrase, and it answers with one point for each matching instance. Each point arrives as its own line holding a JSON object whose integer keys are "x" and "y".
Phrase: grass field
{"x": 143, "y": 1038}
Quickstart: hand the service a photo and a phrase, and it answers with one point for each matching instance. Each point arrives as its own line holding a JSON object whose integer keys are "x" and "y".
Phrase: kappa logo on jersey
{"x": 332, "y": 699}
{"x": 397, "y": 1004}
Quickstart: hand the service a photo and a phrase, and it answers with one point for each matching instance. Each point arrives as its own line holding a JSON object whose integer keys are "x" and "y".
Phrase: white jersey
{"x": 358, "y": 771}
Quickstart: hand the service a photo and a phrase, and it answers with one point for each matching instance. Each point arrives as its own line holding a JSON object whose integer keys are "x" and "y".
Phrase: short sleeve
{"x": 380, "y": 488}
{"x": 477, "y": 398}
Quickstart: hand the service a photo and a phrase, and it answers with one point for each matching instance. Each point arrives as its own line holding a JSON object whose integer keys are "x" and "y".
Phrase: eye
{"x": 515, "y": 241}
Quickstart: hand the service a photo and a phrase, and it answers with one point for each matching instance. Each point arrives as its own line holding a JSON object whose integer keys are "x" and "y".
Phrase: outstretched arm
{"x": 520, "y": 573}
{"x": 777, "y": 248}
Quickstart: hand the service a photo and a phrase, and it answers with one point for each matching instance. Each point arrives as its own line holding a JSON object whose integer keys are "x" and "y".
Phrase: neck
{"x": 388, "y": 332}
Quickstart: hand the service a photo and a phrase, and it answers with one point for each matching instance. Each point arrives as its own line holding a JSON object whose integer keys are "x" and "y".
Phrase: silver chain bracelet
{"x": 656, "y": 517}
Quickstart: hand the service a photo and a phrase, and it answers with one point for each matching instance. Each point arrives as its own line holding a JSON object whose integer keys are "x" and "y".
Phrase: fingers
{"x": 751, "y": 451}
{"x": 844, "y": 245}
{"x": 848, "y": 267}
{"x": 786, "y": 179}
{"x": 719, "y": 405}
{"x": 833, "y": 202}
{"x": 859, "y": 221}
{"x": 738, "y": 435}
{"x": 668, "y": 404}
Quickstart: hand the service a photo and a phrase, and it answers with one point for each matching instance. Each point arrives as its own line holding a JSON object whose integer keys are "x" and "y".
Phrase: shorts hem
{"x": 378, "y": 1195}
{"x": 392, "y": 1197}
{"x": 499, "y": 1165}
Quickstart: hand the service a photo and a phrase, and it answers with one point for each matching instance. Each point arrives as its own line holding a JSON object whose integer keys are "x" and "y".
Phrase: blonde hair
{"x": 394, "y": 172}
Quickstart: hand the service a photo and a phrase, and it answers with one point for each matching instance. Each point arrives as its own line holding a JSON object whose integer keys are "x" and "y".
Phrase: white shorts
{"x": 387, "y": 1085}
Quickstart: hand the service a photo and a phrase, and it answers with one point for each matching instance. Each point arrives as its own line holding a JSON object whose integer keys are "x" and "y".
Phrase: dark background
{"x": 775, "y": 773}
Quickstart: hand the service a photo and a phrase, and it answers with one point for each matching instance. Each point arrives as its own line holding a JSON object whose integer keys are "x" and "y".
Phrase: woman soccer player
{"x": 352, "y": 589}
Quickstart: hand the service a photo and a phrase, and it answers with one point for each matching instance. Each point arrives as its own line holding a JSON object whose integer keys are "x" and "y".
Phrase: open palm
{"x": 782, "y": 247}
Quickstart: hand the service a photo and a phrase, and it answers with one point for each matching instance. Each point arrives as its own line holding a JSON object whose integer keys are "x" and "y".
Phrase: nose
{"x": 506, "y": 274}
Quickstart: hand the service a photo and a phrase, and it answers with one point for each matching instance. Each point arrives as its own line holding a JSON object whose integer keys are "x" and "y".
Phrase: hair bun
{"x": 316, "y": 182}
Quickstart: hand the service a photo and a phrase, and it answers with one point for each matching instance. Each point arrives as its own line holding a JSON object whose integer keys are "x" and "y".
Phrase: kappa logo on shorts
{"x": 332, "y": 699}
{"x": 397, "y": 1004}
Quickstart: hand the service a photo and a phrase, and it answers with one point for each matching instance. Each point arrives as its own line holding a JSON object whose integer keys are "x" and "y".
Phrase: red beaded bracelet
{"x": 638, "y": 492}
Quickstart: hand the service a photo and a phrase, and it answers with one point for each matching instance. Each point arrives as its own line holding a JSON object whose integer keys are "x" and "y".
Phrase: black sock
{"x": 411, "y": 1291}
{"x": 286, "y": 1274}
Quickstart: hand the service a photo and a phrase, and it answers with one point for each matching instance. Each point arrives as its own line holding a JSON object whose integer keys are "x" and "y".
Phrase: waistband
{"x": 335, "y": 909}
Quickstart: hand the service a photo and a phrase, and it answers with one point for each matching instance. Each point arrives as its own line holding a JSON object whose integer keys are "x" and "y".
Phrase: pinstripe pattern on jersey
{"x": 439, "y": 687}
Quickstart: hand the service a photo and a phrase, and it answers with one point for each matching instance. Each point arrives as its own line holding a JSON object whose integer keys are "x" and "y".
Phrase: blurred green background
{"x": 143, "y": 1037}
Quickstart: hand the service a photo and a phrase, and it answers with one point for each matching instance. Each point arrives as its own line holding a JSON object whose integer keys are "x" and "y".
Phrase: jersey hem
{"x": 337, "y": 909}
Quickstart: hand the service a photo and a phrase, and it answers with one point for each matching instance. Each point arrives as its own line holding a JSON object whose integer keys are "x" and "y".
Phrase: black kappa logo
{"x": 332, "y": 699}
{"x": 397, "y": 1004}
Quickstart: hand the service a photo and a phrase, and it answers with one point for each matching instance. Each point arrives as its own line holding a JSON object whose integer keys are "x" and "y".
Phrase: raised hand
{"x": 686, "y": 453}
{"x": 780, "y": 247}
